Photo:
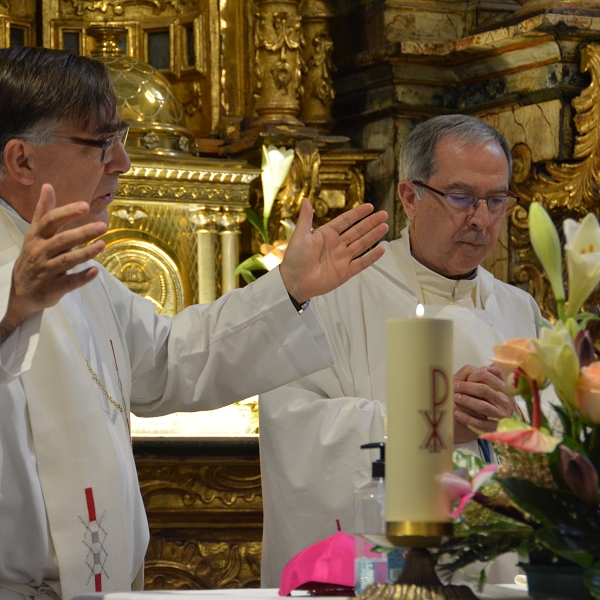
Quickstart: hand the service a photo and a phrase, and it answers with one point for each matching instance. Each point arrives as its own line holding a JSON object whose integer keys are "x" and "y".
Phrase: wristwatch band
{"x": 299, "y": 307}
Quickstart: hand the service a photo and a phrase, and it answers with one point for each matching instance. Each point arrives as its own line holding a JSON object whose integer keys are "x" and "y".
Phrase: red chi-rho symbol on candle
{"x": 439, "y": 394}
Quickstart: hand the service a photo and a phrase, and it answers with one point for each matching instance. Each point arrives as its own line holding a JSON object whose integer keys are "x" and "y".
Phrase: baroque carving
{"x": 278, "y": 41}
{"x": 150, "y": 140}
{"x": 286, "y": 27}
{"x": 131, "y": 214}
{"x": 203, "y": 486}
{"x": 148, "y": 271}
{"x": 566, "y": 189}
{"x": 119, "y": 5}
{"x": 320, "y": 61}
{"x": 318, "y": 85}
{"x": 201, "y": 565}
{"x": 205, "y": 515}
{"x": 156, "y": 172}
{"x": 194, "y": 104}
{"x": 183, "y": 194}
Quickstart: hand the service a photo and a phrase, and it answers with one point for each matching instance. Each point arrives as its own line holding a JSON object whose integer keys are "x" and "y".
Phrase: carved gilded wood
{"x": 318, "y": 93}
{"x": 278, "y": 60}
{"x": 205, "y": 516}
{"x": 566, "y": 188}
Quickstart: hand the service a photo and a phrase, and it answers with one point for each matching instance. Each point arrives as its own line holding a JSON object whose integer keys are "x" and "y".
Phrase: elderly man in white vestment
{"x": 78, "y": 350}
{"x": 454, "y": 187}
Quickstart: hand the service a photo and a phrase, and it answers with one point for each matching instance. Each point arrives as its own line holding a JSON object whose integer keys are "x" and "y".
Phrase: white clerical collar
{"x": 450, "y": 289}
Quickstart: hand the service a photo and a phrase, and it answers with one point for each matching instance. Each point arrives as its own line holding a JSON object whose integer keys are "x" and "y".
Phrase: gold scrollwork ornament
{"x": 119, "y": 5}
{"x": 566, "y": 189}
{"x": 573, "y": 187}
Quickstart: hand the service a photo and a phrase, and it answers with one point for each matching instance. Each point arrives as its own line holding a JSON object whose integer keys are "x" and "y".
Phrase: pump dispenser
{"x": 369, "y": 523}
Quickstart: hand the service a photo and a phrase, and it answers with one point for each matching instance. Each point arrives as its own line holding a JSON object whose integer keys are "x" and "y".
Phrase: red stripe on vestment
{"x": 91, "y": 506}
{"x": 98, "y": 578}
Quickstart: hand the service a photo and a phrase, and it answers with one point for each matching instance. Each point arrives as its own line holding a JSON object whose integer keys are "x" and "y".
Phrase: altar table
{"x": 491, "y": 592}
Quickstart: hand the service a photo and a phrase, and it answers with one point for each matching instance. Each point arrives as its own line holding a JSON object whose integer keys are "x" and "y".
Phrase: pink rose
{"x": 587, "y": 394}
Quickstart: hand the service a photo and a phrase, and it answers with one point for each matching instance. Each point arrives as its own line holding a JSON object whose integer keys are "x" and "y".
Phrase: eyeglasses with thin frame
{"x": 502, "y": 205}
{"x": 108, "y": 145}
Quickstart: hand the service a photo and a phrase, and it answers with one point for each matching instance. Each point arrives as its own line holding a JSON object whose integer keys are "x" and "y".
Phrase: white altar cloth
{"x": 492, "y": 592}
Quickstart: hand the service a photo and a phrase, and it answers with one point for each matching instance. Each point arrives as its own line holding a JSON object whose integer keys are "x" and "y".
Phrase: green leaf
{"x": 247, "y": 275}
{"x": 254, "y": 219}
{"x": 584, "y": 318}
{"x": 250, "y": 264}
{"x": 591, "y": 578}
{"x": 564, "y": 546}
{"x": 539, "y": 502}
{"x": 472, "y": 463}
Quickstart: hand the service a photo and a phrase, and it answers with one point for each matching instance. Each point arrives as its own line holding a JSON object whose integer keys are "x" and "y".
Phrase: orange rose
{"x": 587, "y": 394}
{"x": 518, "y": 353}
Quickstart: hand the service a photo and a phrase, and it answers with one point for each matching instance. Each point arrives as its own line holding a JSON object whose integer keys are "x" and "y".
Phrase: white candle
{"x": 419, "y": 426}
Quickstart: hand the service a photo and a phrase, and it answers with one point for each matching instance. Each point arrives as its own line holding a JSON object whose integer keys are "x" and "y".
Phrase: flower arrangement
{"x": 276, "y": 164}
{"x": 543, "y": 498}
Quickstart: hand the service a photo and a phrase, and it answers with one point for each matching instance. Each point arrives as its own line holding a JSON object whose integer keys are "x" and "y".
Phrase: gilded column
{"x": 229, "y": 233}
{"x": 206, "y": 237}
{"x": 278, "y": 60}
{"x": 318, "y": 94}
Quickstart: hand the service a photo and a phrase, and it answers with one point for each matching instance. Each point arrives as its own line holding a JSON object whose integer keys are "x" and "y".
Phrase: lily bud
{"x": 580, "y": 475}
{"x": 585, "y": 348}
{"x": 546, "y": 243}
{"x": 559, "y": 360}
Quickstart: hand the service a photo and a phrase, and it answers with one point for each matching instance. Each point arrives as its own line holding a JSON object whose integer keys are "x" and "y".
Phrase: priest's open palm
{"x": 317, "y": 261}
{"x": 41, "y": 274}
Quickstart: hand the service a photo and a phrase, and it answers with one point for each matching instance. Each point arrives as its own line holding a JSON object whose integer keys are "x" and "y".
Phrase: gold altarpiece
{"x": 343, "y": 82}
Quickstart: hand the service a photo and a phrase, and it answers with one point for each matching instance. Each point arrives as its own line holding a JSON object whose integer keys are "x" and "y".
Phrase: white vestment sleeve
{"x": 247, "y": 342}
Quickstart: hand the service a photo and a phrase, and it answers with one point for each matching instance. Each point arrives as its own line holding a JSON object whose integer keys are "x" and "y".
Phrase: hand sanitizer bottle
{"x": 369, "y": 526}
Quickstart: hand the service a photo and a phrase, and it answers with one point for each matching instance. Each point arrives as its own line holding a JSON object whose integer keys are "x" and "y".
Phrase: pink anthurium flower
{"x": 522, "y": 436}
{"x": 458, "y": 485}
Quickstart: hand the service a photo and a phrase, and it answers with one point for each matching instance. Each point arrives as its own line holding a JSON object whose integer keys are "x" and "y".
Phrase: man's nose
{"x": 120, "y": 162}
{"x": 481, "y": 215}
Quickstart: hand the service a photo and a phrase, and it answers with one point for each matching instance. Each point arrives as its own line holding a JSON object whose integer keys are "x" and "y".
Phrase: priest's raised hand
{"x": 53, "y": 245}
{"x": 317, "y": 261}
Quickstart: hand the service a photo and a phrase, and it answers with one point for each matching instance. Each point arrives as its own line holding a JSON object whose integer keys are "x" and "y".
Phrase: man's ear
{"x": 406, "y": 191}
{"x": 18, "y": 161}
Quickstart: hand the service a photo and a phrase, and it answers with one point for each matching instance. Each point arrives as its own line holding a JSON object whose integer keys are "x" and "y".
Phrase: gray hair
{"x": 38, "y": 134}
{"x": 417, "y": 156}
{"x": 40, "y": 88}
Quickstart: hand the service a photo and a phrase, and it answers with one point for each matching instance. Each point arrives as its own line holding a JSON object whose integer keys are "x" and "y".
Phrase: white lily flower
{"x": 276, "y": 163}
{"x": 583, "y": 260}
{"x": 289, "y": 227}
{"x": 546, "y": 243}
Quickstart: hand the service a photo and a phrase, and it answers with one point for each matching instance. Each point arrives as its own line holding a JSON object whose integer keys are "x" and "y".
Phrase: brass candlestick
{"x": 418, "y": 580}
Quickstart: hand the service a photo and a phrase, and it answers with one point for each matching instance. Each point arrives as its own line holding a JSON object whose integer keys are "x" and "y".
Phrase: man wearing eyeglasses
{"x": 79, "y": 351}
{"x": 454, "y": 187}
